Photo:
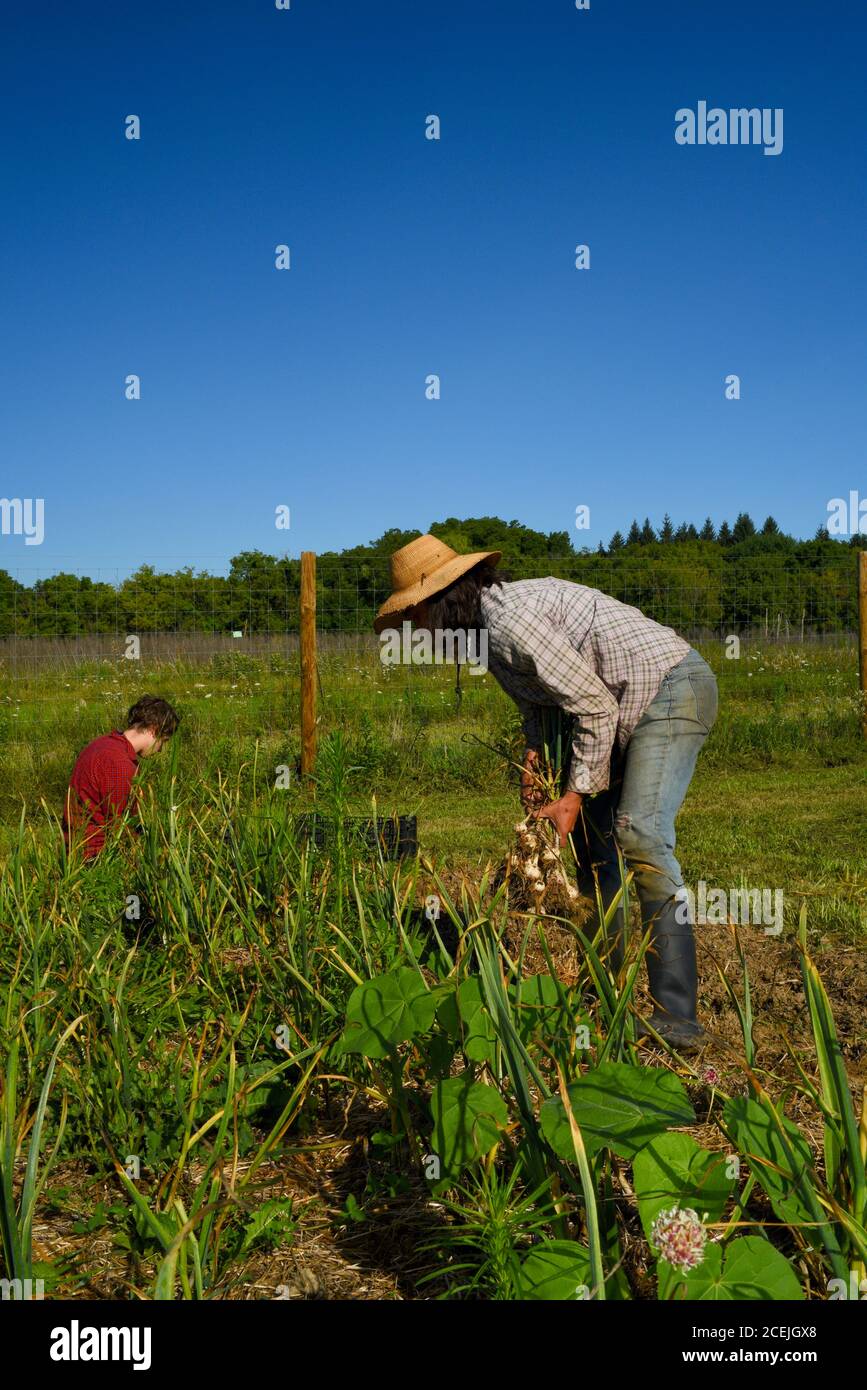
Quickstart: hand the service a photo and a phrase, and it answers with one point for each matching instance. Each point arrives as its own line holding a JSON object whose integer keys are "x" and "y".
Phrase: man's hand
{"x": 532, "y": 795}
{"x": 563, "y": 813}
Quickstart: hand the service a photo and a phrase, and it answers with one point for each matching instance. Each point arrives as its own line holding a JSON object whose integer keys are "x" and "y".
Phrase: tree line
{"x": 726, "y": 577}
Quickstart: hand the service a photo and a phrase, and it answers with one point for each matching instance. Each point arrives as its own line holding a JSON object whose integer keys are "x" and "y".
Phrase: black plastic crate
{"x": 395, "y": 836}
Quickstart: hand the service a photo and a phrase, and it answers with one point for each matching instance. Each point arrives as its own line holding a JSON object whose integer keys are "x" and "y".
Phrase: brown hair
{"x": 459, "y": 605}
{"x": 155, "y": 714}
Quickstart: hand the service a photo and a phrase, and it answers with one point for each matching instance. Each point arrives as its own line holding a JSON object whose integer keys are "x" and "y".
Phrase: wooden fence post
{"x": 862, "y": 635}
{"x": 308, "y": 662}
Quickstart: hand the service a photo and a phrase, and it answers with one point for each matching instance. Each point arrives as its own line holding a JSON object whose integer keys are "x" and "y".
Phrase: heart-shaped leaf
{"x": 674, "y": 1171}
{"x": 556, "y": 1270}
{"x": 468, "y": 1117}
{"x": 617, "y": 1106}
{"x": 385, "y": 1011}
{"x": 750, "y": 1270}
{"x": 465, "y": 1016}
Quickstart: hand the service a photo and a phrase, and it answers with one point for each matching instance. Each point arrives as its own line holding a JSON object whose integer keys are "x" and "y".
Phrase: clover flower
{"x": 679, "y": 1237}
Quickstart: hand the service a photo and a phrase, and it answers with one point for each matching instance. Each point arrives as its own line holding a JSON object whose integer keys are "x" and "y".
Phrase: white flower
{"x": 679, "y": 1237}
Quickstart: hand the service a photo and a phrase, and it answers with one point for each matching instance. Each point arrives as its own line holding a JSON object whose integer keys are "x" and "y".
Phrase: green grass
{"x": 247, "y": 942}
{"x": 776, "y": 799}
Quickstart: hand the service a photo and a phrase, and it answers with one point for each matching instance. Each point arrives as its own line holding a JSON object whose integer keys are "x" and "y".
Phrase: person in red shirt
{"x": 100, "y": 788}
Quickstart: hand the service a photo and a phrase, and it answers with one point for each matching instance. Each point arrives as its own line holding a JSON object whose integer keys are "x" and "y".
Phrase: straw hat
{"x": 424, "y": 567}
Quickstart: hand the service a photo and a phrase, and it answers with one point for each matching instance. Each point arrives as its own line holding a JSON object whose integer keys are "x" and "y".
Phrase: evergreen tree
{"x": 724, "y": 535}
{"x": 616, "y": 543}
{"x": 666, "y": 533}
{"x": 743, "y": 527}
{"x": 681, "y": 534}
{"x": 648, "y": 535}
{"x": 708, "y": 533}
{"x": 634, "y": 537}
{"x": 691, "y": 533}
{"x": 770, "y": 527}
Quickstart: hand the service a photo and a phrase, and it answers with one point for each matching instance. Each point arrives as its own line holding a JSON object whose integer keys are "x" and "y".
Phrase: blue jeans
{"x": 649, "y": 782}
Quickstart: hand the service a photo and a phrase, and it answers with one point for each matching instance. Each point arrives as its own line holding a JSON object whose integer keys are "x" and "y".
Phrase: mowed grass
{"x": 778, "y": 801}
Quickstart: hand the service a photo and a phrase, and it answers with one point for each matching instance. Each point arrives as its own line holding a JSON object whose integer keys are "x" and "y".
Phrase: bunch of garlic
{"x": 536, "y": 859}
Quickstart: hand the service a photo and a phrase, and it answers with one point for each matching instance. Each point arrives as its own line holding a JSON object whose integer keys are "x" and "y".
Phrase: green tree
{"x": 743, "y": 527}
{"x": 15, "y": 606}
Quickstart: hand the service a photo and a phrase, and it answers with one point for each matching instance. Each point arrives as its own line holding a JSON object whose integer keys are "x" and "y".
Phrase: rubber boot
{"x": 673, "y": 978}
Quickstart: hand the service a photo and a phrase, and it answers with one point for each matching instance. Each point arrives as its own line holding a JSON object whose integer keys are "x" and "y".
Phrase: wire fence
{"x": 761, "y": 595}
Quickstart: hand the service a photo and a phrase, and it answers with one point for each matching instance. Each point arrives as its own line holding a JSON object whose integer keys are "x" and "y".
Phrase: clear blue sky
{"x": 306, "y": 388}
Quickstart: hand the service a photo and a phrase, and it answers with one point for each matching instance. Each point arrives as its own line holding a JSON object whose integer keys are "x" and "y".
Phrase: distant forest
{"x": 725, "y": 578}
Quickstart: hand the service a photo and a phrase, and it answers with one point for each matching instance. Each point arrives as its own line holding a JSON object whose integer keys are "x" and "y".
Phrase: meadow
{"x": 237, "y": 1065}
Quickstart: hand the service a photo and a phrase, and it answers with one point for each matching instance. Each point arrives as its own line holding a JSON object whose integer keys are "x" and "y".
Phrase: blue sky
{"x": 306, "y": 388}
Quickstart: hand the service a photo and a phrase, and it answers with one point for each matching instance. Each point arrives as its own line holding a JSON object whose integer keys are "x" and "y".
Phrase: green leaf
{"x": 541, "y": 1011}
{"x": 465, "y": 1017}
{"x": 759, "y": 1140}
{"x": 273, "y": 1221}
{"x": 750, "y": 1270}
{"x": 556, "y": 1270}
{"x": 385, "y": 1011}
{"x": 439, "y": 1051}
{"x": 448, "y": 1016}
{"x": 479, "y": 1038}
{"x": 619, "y": 1106}
{"x": 674, "y": 1171}
{"x": 468, "y": 1117}
{"x": 353, "y": 1210}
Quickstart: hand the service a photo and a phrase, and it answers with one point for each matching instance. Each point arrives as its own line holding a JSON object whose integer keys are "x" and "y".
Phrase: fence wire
{"x": 63, "y": 621}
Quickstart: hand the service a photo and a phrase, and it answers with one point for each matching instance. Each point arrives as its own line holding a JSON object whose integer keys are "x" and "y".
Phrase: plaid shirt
{"x": 100, "y": 789}
{"x": 551, "y": 642}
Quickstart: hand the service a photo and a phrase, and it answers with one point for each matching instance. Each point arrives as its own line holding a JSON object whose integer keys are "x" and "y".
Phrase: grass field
{"x": 778, "y": 797}
{"x": 263, "y": 1076}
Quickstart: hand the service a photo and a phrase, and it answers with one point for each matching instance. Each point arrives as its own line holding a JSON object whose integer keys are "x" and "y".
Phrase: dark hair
{"x": 458, "y": 607}
{"x": 150, "y": 712}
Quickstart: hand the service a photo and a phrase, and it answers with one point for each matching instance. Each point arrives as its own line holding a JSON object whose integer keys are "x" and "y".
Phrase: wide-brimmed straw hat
{"x": 424, "y": 567}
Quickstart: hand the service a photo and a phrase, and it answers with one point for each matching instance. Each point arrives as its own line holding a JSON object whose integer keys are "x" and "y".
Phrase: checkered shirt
{"x": 552, "y": 642}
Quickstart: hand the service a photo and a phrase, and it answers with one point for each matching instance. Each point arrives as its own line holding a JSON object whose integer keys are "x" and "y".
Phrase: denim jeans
{"x": 649, "y": 782}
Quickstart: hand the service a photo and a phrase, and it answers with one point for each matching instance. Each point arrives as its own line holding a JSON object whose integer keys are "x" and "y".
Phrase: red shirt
{"x": 100, "y": 789}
